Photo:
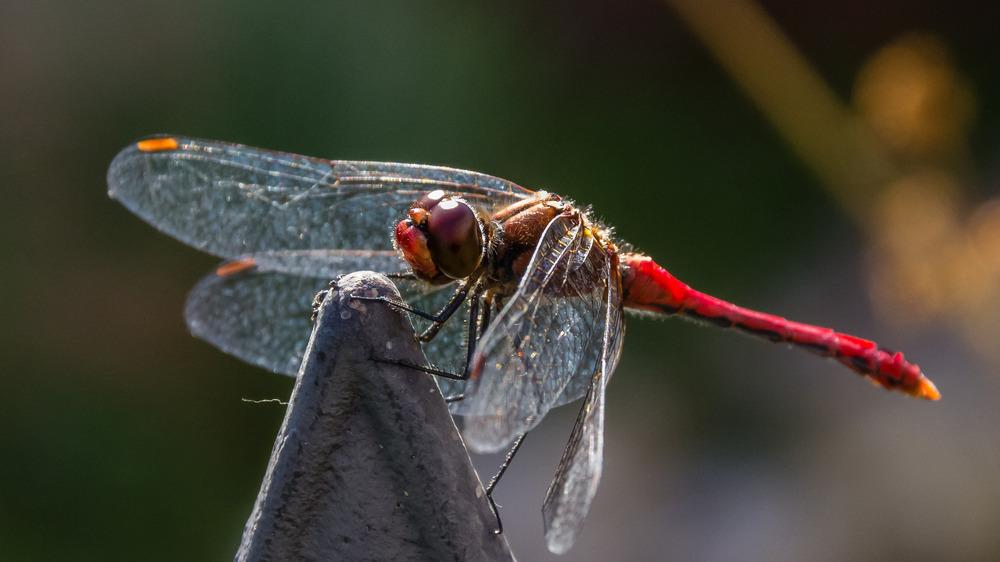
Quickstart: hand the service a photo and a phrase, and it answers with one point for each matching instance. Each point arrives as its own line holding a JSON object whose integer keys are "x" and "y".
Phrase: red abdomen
{"x": 647, "y": 286}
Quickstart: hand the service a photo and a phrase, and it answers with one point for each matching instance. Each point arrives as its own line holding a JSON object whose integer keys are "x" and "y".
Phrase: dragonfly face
{"x": 442, "y": 239}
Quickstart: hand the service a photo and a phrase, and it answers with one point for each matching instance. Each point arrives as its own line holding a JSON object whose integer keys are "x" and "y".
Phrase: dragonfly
{"x": 542, "y": 286}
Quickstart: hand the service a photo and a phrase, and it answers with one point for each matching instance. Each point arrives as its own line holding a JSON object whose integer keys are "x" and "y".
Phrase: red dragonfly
{"x": 542, "y": 284}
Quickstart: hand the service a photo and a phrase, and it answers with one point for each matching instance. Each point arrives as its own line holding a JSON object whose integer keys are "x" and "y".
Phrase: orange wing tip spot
{"x": 157, "y": 145}
{"x": 232, "y": 267}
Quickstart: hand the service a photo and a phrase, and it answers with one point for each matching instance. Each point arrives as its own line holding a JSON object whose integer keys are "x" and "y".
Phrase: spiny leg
{"x": 457, "y": 298}
{"x": 438, "y": 320}
{"x": 496, "y": 479}
{"x": 473, "y": 336}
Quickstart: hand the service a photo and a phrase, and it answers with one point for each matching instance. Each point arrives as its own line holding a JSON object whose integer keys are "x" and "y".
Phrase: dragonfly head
{"x": 442, "y": 239}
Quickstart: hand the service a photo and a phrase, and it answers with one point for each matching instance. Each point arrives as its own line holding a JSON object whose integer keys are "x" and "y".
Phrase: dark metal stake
{"x": 368, "y": 463}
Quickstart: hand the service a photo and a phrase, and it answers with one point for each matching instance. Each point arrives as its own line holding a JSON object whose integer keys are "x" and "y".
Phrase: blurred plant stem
{"x": 793, "y": 96}
{"x": 897, "y": 161}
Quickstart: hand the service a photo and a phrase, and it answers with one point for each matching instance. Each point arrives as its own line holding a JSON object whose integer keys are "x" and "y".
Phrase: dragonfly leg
{"x": 408, "y": 275}
{"x": 318, "y": 300}
{"x": 496, "y": 479}
{"x": 457, "y": 298}
{"x": 454, "y": 304}
{"x": 477, "y": 326}
{"x": 426, "y": 369}
{"x": 473, "y": 332}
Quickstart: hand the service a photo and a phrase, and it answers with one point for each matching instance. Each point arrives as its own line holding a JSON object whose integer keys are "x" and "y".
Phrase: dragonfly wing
{"x": 547, "y": 332}
{"x": 568, "y": 498}
{"x": 575, "y": 389}
{"x": 260, "y": 308}
{"x": 262, "y": 317}
{"x": 230, "y": 200}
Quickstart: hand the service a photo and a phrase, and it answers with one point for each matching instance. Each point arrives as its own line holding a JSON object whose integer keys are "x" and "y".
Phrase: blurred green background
{"x": 123, "y": 438}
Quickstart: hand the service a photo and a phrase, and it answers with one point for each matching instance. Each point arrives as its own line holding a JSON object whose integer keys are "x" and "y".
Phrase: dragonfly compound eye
{"x": 430, "y": 200}
{"x": 454, "y": 238}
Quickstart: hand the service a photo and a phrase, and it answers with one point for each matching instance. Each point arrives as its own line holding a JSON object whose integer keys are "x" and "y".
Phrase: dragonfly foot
{"x": 426, "y": 369}
{"x": 391, "y": 302}
{"x": 317, "y": 301}
{"x": 436, "y": 318}
{"x": 496, "y": 513}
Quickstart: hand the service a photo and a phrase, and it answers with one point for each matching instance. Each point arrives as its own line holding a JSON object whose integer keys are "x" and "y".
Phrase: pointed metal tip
{"x": 368, "y": 463}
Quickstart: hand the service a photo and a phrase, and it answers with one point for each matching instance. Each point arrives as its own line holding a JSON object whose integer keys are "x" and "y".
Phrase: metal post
{"x": 368, "y": 464}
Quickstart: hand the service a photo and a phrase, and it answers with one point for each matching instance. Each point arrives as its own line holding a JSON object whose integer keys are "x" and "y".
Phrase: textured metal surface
{"x": 368, "y": 464}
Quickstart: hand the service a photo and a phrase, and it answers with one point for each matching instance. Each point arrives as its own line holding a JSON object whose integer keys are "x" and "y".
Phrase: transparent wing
{"x": 550, "y": 331}
{"x": 259, "y": 309}
{"x": 262, "y": 317}
{"x": 568, "y": 498}
{"x": 231, "y": 200}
